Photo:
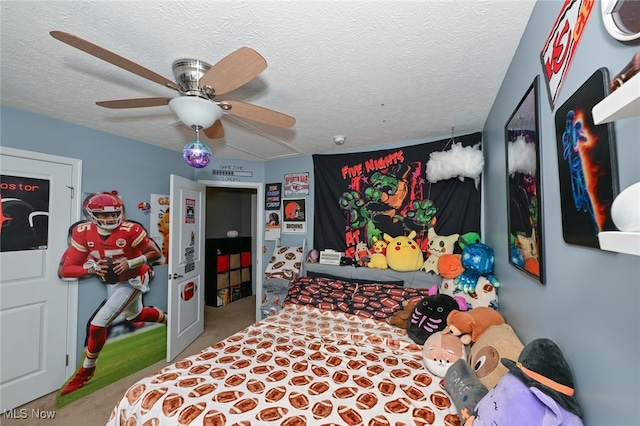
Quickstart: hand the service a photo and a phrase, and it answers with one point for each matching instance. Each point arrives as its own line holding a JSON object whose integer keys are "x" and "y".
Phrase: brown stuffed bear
{"x": 400, "y": 318}
{"x": 470, "y": 325}
{"x": 497, "y": 342}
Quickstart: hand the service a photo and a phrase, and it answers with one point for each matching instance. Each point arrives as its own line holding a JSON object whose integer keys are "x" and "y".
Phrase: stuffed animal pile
{"x": 537, "y": 390}
{"x": 467, "y": 342}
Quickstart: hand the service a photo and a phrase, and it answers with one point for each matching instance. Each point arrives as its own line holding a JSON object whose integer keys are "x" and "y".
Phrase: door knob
{"x": 175, "y": 275}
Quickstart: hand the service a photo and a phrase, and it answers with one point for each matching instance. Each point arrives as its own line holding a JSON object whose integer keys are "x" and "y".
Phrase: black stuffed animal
{"x": 430, "y": 316}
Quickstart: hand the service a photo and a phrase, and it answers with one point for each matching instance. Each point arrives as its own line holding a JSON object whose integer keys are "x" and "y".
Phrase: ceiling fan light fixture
{"x": 195, "y": 112}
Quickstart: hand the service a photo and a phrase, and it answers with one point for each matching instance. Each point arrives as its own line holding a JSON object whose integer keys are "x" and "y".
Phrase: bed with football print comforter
{"x": 305, "y": 365}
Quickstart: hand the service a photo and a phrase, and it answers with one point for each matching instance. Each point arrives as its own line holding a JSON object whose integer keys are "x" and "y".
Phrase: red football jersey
{"x": 126, "y": 241}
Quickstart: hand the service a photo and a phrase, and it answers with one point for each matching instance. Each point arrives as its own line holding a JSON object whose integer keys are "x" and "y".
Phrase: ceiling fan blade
{"x": 257, "y": 113}
{"x": 108, "y": 56}
{"x": 134, "y": 103}
{"x": 216, "y": 131}
{"x": 234, "y": 70}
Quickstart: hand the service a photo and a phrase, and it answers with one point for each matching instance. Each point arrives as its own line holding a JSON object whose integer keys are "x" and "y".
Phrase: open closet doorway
{"x": 235, "y": 207}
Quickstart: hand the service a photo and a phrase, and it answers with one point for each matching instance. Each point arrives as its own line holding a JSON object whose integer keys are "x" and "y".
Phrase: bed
{"x": 326, "y": 358}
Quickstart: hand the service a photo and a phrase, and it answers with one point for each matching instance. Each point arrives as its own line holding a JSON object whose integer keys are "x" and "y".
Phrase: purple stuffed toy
{"x": 537, "y": 391}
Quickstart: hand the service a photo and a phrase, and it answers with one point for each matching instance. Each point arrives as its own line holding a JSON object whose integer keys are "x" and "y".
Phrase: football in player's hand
{"x": 109, "y": 277}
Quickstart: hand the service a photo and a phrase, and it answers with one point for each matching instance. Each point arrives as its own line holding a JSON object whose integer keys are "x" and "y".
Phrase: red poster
{"x": 562, "y": 42}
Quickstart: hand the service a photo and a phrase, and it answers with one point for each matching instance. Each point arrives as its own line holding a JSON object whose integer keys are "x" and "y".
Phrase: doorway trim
{"x": 259, "y": 227}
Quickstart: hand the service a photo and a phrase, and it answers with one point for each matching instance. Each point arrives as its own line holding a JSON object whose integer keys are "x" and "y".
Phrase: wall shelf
{"x": 621, "y": 242}
{"x": 624, "y": 102}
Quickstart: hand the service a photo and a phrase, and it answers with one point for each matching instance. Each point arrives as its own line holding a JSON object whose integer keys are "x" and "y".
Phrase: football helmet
{"x": 97, "y": 204}
{"x": 293, "y": 211}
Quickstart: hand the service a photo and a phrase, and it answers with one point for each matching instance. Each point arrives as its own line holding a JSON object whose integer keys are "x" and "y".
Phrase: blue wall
{"x": 589, "y": 305}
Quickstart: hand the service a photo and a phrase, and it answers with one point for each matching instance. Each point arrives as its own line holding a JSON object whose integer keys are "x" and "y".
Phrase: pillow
{"x": 352, "y": 280}
{"x": 380, "y": 301}
{"x": 284, "y": 263}
{"x": 274, "y": 293}
{"x": 323, "y": 293}
{"x": 485, "y": 294}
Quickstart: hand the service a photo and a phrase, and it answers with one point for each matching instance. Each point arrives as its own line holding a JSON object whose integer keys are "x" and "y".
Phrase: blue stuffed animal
{"x": 477, "y": 260}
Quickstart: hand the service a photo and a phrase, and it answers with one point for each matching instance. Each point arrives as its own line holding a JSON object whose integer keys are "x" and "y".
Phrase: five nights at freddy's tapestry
{"x": 364, "y": 195}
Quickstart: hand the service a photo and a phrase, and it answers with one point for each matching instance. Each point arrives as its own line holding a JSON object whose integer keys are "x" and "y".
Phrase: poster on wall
{"x": 189, "y": 210}
{"x": 273, "y": 225}
{"x": 587, "y": 164}
{"x": 362, "y": 196}
{"x": 561, "y": 44}
{"x": 296, "y": 184}
{"x": 295, "y": 219}
{"x": 273, "y": 195}
{"x": 159, "y": 226}
{"x": 113, "y": 253}
{"x": 24, "y": 213}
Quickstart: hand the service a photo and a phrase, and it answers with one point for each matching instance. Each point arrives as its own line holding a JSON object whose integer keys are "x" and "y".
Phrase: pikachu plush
{"x": 403, "y": 253}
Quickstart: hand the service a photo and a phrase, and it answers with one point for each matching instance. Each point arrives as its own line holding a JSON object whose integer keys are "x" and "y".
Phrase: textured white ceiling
{"x": 375, "y": 71}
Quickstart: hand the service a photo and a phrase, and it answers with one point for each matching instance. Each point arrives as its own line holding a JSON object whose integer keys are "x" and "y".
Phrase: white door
{"x": 186, "y": 264}
{"x": 36, "y": 307}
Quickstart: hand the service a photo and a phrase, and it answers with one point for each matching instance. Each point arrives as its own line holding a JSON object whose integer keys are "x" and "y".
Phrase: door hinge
{"x": 72, "y": 191}
{"x": 66, "y": 361}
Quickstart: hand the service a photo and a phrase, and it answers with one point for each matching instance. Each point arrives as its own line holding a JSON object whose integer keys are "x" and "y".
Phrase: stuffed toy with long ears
{"x": 438, "y": 245}
{"x": 379, "y": 246}
{"x": 403, "y": 253}
{"x": 472, "y": 324}
{"x": 378, "y": 258}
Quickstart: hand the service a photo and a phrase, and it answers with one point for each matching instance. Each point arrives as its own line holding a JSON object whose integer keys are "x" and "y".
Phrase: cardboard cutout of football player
{"x": 116, "y": 251}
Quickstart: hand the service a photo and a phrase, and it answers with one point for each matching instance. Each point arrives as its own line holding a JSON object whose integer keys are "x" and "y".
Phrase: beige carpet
{"x": 95, "y": 408}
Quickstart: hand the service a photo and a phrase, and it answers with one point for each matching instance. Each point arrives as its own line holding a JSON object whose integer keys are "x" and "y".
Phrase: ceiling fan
{"x": 198, "y": 83}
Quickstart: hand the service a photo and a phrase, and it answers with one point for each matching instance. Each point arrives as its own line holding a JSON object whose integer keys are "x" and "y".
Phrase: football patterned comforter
{"x": 302, "y": 366}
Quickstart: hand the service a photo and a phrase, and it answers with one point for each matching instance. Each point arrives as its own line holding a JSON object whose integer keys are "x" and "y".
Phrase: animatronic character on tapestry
{"x": 572, "y": 137}
{"x": 389, "y": 201}
{"x": 116, "y": 251}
